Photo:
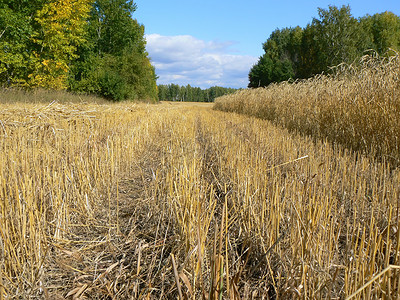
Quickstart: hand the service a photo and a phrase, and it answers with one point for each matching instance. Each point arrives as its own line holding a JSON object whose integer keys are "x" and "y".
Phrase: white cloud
{"x": 183, "y": 59}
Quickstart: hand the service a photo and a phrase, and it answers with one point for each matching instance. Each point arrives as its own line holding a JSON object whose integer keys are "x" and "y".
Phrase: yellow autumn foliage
{"x": 62, "y": 31}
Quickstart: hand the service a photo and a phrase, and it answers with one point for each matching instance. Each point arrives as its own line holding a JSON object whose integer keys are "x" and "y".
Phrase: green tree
{"x": 39, "y": 39}
{"x": 261, "y": 73}
{"x": 309, "y": 51}
{"x": 189, "y": 93}
{"x": 15, "y": 30}
{"x": 17, "y": 25}
{"x": 182, "y": 93}
{"x": 338, "y": 36}
{"x": 174, "y": 92}
{"x": 162, "y": 92}
{"x": 281, "y": 58}
{"x": 114, "y": 63}
{"x": 329, "y": 40}
{"x": 112, "y": 28}
{"x": 89, "y": 46}
{"x": 384, "y": 30}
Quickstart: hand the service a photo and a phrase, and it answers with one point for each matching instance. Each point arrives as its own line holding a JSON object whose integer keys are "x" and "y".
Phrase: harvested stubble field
{"x": 135, "y": 201}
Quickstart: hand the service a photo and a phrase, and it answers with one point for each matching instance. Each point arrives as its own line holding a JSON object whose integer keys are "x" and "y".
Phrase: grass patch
{"x": 14, "y": 95}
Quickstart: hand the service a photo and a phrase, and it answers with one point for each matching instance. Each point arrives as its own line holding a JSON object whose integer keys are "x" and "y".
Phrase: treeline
{"x": 174, "y": 92}
{"x": 86, "y": 46}
{"x": 335, "y": 37}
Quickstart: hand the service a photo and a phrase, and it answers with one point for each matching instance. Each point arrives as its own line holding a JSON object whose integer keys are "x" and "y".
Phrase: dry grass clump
{"x": 16, "y": 95}
{"x": 126, "y": 201}
{"x": 358, "y": 107}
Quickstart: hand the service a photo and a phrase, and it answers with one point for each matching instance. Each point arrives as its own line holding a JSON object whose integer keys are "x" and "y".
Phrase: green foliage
{"x": 39, "y": 39}
{"x": 129, "y": 76}
{"x": 87, "y": 46}
{"x": 384, "y": 30}
{"x": 62, "y": 29}
{"x": 112, "y": 29}
{"x": 114, "y": 62}
{"x": 16, "y": 27}
{"x": 174, "y": 92}
{"x": 280, "y": 60}
{"x": 335, "y": 37}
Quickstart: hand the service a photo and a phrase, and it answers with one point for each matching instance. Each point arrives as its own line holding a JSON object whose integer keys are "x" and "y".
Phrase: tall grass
{"x": 135, "y": 201}
{"x": 15, "y": 95}
{"x": 358, "y": 107}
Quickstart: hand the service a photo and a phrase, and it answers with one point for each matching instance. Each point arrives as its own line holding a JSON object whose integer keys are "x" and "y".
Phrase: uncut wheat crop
{"x": 358, "y": 106}
{"x": 178, "y": 201}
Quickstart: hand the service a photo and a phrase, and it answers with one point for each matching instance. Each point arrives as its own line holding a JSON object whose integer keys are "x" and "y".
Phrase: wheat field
{"x": 358, "y": 106}
{"x": 167, "y": 201}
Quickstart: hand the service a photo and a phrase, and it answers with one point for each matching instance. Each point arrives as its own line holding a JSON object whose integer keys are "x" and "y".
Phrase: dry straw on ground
{"x": 127, "y": 201}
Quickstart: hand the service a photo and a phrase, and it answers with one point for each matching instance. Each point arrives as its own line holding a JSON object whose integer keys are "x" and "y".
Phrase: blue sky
{"x": 216, "y": 42}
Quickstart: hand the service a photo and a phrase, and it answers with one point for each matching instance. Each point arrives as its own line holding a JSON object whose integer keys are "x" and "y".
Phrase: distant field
{"x": 134, "y": 201}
